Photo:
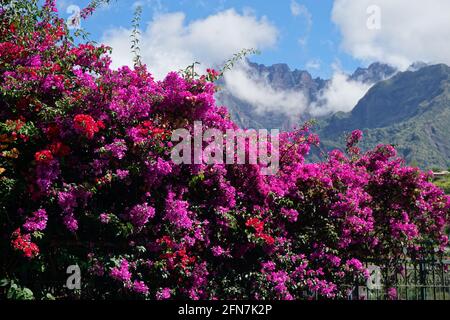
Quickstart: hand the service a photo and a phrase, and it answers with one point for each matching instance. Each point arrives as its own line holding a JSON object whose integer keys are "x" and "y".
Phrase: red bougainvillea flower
{"x": 165, "y": 240}
{"x": 212, "y": 74}
{"x": 44, "y": 156}
{"x": 185, "y": 259}
{"x": 60, "y": 149}
{"x": 52, "y": 131}
{"x": 86, "y": 125}
{"x": 256, "y": 224}
{"x": 148, "y": 128}
{"x": 100, "y": 124}
{"x": 268, "y": 239}
{"x": 23, "y": 243}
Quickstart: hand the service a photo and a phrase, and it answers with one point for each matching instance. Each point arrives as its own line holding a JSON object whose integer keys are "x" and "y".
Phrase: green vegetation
{"x": 410, "y": 111}
{"x": 444, "y": 183}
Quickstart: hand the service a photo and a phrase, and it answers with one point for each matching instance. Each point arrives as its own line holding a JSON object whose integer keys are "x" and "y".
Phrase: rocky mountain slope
{"x": 281, "y": 77}
{"x": 410, "y": 110}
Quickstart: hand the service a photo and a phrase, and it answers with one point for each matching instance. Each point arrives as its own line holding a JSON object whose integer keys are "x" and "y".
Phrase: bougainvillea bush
{"x": 86, "y": 179}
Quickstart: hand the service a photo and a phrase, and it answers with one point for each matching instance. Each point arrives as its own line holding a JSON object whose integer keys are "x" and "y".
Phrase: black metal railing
{"x": 424, "y": 279}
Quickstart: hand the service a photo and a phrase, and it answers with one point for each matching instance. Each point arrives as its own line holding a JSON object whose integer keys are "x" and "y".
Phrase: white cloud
{"x": 303, "y": 41}
{"x": 341, "y": 94}
{"x": 299, "y": 10}
{"x": 313, "y": 64}
{"x": 410, "y": 30}
{"x": 257, "y": 91}
{"x": 295, "y": 8}
{"x": 170, "y": 44}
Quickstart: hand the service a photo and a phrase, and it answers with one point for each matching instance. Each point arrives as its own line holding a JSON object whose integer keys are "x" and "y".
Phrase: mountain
{"x": 281, "y": 77}
{"x": 417, "y": 66}
{"x": 410, "y": 110}
{"x": 374, "y": 73}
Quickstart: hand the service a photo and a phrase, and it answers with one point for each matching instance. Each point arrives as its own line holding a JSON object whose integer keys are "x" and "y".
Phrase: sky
{"x": 328, "y": 38}
{"x": 318, "y": 36}
{"x": 306, "y": 36}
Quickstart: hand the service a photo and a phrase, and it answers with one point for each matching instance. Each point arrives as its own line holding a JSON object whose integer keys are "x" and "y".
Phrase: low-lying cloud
{"x": 256, "y": 90}
{"x": 341, "y": 94}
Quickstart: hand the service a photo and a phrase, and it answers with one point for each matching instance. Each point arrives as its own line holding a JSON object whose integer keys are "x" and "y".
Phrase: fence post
{"x": 422, "y": 277}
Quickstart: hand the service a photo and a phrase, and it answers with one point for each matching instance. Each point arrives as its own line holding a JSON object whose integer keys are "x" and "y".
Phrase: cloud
{"x": 299, "y": 10}
{"x": 303, "y": 41}
{"x": 169, "y": 43}
{"x": 409, "y": 30}
{"x": 341, "y": 94}
{"x": 313, "y": 64}
{"x": 256, "y": 90}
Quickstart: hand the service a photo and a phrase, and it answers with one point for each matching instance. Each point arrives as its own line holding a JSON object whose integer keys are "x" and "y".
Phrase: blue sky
{"x": 309, "y": 40}
{"x": 329, "y": 38}
{"x": 320, "y": 36}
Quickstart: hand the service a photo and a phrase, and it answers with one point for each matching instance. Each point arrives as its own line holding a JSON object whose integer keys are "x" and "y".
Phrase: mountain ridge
{"x": 409, "y": 109}
{"x": 280, "y": 77}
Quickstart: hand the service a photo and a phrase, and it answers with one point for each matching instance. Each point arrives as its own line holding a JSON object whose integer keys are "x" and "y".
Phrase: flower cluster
{"x": 86, "y": 125}
{"x": 258, "y": 226}
{"x": 43, "y": 156}
{"x": 23, "y": 243}
{"x": 86, "y": 175}
{"x": 140, "y": 214}
{"x": 37, "y": 221}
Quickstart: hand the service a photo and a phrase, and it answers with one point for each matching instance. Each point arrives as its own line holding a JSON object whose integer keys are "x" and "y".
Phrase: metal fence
{"x": 427, "y": 279}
